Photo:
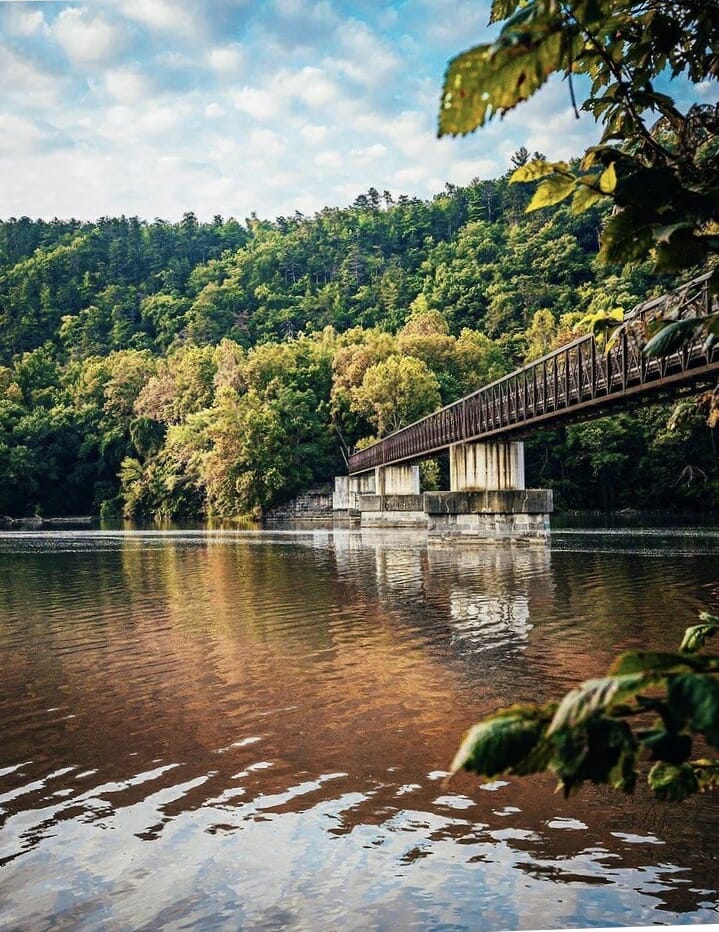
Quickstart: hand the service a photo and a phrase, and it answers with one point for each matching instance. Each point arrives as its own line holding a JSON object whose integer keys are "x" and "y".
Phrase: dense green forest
{"x": 190, "y": 369}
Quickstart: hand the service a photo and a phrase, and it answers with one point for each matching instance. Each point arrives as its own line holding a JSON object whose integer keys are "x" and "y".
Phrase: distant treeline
{"x": 190, "y": 369}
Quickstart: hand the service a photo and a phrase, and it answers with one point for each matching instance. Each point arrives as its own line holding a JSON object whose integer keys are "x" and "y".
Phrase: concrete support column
{"x": 474, "y": 467}
{"x": 397, "y": 480}
{"x": 396, "y": 501}
{"x": 348, "y": 490}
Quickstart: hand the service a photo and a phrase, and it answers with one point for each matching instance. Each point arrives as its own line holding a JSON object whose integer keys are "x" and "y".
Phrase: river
{"x": 251, "y": 730}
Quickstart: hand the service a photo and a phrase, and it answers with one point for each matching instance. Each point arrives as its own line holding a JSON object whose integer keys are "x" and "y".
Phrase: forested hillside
{"x": 167, "y": 370}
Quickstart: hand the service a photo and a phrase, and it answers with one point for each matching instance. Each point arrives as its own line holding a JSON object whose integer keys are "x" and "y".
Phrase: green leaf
{"x": 552, "y": 191}
{"x": 695, "y": 636}
{"x": 538, "y": 168}
{"x": 671, "y": 337}
{"x": 622, "y": 747}
{"x": 603, "y": 751}
{"x": 608, "y": 179}
{"x": 672, "y": 782}
{"x": 595, "y": 696}
{"x": 596, "y": 154}
{"x": 585, "y": 196}
{"x": 588, "y": 11}
{"x": 507, "y": 742}
{"x": 625, "y": 237}
{"x": 684, "y": 250}
{"x": 603, "y": 324}
{"x": 646, "y": 188}
{"x": 651, "y": 662}
{"x": 667, "y": 746}
{"x": 711, "y": 325}
{"x": 695, "y": 697}
{"x": 491, "y": 79}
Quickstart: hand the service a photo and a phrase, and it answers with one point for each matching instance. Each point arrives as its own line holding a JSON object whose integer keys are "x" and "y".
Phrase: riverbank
{"x": 37, "y": 523}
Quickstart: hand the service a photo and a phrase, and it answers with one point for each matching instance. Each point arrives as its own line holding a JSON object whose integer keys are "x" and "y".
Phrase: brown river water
{"x": 251, "y": 730}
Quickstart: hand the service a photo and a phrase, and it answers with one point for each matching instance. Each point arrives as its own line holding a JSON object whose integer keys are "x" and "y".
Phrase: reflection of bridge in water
{"x": 482, "y": 431}
{"x": 486, "y": 596}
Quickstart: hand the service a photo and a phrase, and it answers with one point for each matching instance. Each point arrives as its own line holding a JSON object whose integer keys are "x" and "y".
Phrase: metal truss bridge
{"x": 575, "y": 382}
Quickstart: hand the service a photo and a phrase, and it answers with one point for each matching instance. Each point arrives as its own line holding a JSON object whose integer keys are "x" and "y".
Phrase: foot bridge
{"x": 483, "y": 431}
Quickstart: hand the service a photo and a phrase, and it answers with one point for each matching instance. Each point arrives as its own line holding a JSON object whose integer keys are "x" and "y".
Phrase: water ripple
{"x": 230, "y": 729}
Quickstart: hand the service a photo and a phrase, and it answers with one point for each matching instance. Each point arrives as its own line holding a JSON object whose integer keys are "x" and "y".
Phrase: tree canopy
{"x": 130, "y": 351}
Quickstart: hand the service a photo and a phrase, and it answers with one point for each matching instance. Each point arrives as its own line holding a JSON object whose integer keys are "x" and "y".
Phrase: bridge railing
{"x": 576, "y": 376}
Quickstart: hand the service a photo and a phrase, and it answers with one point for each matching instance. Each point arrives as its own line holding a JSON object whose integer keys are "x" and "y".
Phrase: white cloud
{"x": 409, "y": 132}
{"x": 707, "y": 90}
{"x": 155, "y": 129}
{"x": 27, "y": 84}
{"x": 26, "y": 22}
{"x": 162, "y": 121}
{"x": 227, "y": 59}
{"x": 264, "y": 143}
{"x": 329, "y": 159}
{"x": 311, "y": 85}
{"x": 368, "y": 59}
{"x": 411, "y": 176}
{"x": 371, "y": 153}
{"x": 175, "y": 60}
{"x": 156, "y": 99}
{"x": 287, "y": 8}
{"x": 19, "y": 135}
{"x": 313, "y": 134}
{"x": 456, "y": 24}
{"x": 259, "y": 104}
{"x": 161, "y": 15}
{"x": 547, "y": 123}
{"x": 463, "y": 170}
{"x": 126, "y": 85}
{"x": 87, "y": 40}
{"x": 302, "y": 20}
{"x": 223, "y": 150}
{"x": 388, "y": 18}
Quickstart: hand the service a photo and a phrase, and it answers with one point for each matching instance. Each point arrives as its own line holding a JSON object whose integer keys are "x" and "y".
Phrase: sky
{"x": 153, "y": 108}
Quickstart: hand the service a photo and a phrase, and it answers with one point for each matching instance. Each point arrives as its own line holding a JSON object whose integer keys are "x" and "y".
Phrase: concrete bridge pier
{"x": 396, "y": 501}
{"x": 479, "y": 466}
{"x": 347, "y": 492}
{"x": 488, "y": 500}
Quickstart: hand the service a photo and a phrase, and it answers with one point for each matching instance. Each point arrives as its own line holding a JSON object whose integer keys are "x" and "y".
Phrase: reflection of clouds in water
{"x": 479, "y": 623}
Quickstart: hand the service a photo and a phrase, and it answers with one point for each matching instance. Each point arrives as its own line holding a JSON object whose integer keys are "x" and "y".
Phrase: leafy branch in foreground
{"x": 663, "y": 177}
{"x": 650, "y": 706}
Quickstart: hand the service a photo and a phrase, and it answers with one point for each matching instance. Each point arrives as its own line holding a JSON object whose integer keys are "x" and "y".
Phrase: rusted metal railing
{"x": 578, "y": 380}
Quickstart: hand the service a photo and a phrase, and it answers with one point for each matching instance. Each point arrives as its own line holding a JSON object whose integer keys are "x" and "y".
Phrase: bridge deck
{"x": 576, "y": 381}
